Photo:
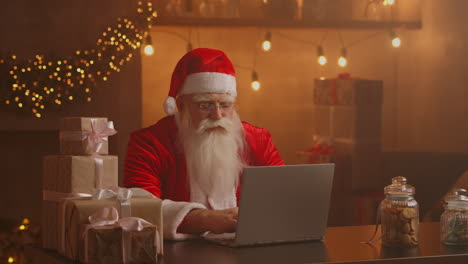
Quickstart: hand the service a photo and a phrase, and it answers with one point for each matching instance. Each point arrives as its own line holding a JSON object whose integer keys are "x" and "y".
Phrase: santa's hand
{"x": 222, "y": 221}
{"x": 216, "y": 221}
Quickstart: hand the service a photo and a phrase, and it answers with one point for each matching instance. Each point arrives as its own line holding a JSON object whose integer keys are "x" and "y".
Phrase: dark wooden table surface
{"x": 342, "y": 244}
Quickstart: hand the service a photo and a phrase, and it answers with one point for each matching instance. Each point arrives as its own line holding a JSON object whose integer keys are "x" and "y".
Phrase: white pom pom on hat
{"x": 169, "y": 105}
{"x": 201, "y": 70}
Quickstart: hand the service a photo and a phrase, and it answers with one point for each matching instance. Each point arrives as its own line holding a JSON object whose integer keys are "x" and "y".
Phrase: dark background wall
{"x": 59, "y": 28}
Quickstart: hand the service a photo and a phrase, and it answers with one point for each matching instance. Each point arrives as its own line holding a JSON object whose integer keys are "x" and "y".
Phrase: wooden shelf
{"x": 245, "y": 22}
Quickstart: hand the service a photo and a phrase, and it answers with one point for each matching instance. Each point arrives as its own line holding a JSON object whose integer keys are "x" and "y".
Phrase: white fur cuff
{"x": 173, "y": 214}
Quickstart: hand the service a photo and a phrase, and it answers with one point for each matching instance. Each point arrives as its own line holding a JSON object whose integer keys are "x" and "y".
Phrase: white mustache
{"x": 208, "y": 124}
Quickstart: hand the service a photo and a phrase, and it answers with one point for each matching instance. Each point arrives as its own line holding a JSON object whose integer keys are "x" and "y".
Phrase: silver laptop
{"x": 281, "y": 204}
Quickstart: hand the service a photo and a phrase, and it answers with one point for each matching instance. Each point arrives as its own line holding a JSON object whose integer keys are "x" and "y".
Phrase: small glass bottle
{"x": 399, "y": 215}
{"x": 454, "y": 220}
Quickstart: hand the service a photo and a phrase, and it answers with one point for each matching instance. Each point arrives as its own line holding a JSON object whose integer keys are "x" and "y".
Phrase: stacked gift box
{"x": 83, "y": 181}
{"x": 348, "y": 113}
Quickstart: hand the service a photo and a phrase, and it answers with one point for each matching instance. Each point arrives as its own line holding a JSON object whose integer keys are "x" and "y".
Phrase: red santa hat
{"x": 201, "y": 71}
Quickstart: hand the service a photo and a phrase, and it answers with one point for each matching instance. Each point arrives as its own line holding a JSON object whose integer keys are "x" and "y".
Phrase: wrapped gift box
{"x": 74, "y": 214}
{"x": 359, "y": 164}
{"x": 363, "y": 147}
{"x": 77, "y": 174}
{"x": 346, "y": 121}
{"x": 348, "y": 92}
{"x": 64, "y": 174}
{"x": 71, "y": 130}
{"x": 105, "y": 245}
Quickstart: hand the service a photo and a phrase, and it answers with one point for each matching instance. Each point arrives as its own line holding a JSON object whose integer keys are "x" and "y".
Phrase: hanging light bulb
{"x": 321, "y": 59}
{"x": 388, "y": 2}
{"x": 255, "y": 83}
{"x": 148, "y": 49}
{"x": 396, "y": 41}
{"x": 266, "y": 44}
{"x": 342, "y": 61}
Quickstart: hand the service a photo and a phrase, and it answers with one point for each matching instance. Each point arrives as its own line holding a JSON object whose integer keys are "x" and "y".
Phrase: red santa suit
{"x": 156, "y": 163}
{"x": 155, "y": 160}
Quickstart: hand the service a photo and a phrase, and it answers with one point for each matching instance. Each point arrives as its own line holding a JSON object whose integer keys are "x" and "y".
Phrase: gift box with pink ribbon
{"x": 110, "y": 239}
{"x": 345, "y": 90}
{"x": 85, "y": 169}
{"x": 74, "y": 219}
{"x": 85, "y": 135}
{"x": 348, "y": 111}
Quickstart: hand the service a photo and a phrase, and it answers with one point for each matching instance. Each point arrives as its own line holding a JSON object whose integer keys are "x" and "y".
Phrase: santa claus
{"x": 193, "y": 158}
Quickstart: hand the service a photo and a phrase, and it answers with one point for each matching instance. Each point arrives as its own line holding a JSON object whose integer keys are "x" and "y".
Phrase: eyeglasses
{"x": 210, "y": 106}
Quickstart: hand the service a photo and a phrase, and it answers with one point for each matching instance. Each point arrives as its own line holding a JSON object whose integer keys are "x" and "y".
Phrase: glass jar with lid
{"x": 454, "y": 220}
{"x": 399, "y": 215}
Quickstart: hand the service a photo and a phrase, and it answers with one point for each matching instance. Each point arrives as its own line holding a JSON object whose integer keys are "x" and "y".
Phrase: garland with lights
{"x": 33, "y": 86}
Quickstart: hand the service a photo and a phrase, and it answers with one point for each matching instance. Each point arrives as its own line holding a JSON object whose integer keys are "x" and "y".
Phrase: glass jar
{"x": 399, "y": 215}
{"x": 454, "y": 220}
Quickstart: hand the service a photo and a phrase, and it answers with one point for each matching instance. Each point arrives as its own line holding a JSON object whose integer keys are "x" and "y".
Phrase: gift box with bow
{"x": 85, "y": 135}
{"x": 74, "y": 214}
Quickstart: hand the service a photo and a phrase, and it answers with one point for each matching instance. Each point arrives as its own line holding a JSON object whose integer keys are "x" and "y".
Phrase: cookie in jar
{"x": 399, "y": 215}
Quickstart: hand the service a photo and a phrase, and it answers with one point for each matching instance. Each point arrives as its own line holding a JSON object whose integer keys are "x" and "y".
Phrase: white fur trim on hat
{"x": 169, "y": 105}
{"x": 209, "y": 82}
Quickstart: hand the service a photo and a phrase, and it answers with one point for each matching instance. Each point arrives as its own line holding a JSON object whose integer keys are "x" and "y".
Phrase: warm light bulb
{"x": 255, "y": 85}
{"x": 342, "y": 61}
{"x": 11, "y": 260}
{"x": 149, "y": 50}
{"x": 322, "y": 60}
{"x": 266, "y": 45}
{"x": 22, "y": 227}
{"x": 396, "y": 42}
{"x": 25, "y": 221}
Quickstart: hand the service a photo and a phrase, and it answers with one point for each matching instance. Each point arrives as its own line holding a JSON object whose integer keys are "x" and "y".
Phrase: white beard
{"x": 214, "y": 158}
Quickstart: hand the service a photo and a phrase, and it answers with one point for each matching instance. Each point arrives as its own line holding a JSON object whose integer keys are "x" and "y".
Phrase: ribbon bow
{"x": 110, "y": 216}
{"x": 123, "y": 195}
{"x": 98, "y": 134}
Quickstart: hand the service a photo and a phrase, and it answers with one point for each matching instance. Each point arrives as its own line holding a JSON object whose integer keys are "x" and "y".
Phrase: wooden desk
{"x": 342, "y": 244}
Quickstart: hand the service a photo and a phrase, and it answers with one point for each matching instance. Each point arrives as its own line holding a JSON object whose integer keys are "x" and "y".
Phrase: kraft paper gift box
{"x": 77, "y": 174}
{"x": 359, "y": 164}
{"x": 347, "y": 121}
{"x": 65, "y": 174}
{"x": 74, "y": 213}
{"x": 74, "y": 133}
{"x": 348, "y": 92}
{"x": 104, "y": 245}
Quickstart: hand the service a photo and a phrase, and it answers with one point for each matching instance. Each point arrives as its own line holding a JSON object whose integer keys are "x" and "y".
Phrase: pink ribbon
{"x": 99, "y": 133}
{"x": 110, "y": 216}
{"x": 123, "y": 195}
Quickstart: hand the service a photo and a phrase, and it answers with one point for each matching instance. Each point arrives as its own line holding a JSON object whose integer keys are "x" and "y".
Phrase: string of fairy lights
{"x": 266, "y": 45}
{"x": 45, "y": 83}
{"x": 33, "y": 86}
